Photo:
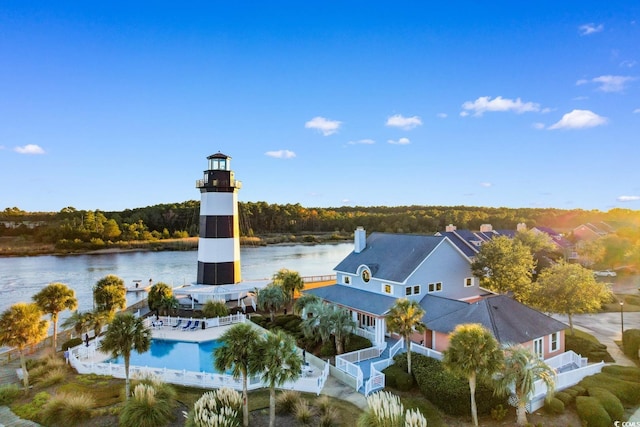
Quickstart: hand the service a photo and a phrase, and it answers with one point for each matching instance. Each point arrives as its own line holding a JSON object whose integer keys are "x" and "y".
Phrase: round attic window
{"x": 366, "y": 276}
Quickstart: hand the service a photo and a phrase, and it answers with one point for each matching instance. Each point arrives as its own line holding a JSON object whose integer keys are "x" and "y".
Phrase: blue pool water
{"x": 191, "y": 356}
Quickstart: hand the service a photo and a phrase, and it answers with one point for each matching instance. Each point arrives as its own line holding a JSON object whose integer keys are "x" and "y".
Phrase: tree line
{"x": 260, "y": 218}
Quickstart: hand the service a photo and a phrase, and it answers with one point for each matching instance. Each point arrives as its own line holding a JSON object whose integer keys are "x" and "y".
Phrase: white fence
{"x": 417, "y": 348}
{"x": 563, "y": 380}
{"x": 566, "y": 359}
{"x": 347, "y": 362}
{"x": 79, "y": 358}
{"x": 365, "y": 333}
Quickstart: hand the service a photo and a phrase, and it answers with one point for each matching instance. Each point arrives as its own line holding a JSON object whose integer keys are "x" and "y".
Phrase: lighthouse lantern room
{"x": 219, "y": 244}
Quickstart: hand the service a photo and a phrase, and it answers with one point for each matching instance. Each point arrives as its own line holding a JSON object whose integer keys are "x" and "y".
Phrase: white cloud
{"x": 637, "y": 110}
{"x": 538, "y": 125}
{"x": 579, "y": 119}
{"x": 580, "y": 98}
{"x": 612, "y": 83}
{"x": 590, "y": 28}
{"x": 325, "y": 126}
{"x": 608, "y": 83}
{"x": 29, "y": 149}
{"x": 628, "y": 198}
{"x": 628, "y": 63}
{"x": 463, "y": 114}
{"x": 401, "y": 141}
{"x": 486, "y": 184}
{"x": 405, "y": 123}
{"x": 485, "y": 103}
{"x": 442, "y": 115}
{"x": 281, "y": 154}
{"x": 365, "y": 141}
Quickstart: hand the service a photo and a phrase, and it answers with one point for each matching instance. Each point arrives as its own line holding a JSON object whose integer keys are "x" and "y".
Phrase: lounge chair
{"x": 177, "y": 324}
{"x": 195, "y": 325}
{"x": 187, "y": 326}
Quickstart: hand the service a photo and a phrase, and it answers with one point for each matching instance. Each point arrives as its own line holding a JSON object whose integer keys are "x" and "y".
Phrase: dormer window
{"x": 366, "y": 276}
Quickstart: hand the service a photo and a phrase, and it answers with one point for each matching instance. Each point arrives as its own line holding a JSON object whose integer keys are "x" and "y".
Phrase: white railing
{"x": 79, "y": 359}
{"x": 563, "y": 380}
{"x": 396, "y": 348}
{"x": 360, "y": 355}
{"x": 565, "y": 359}
{"x": 324, "y": 278}
{"x": 377, "y": 379}
{"x": 365, "y": 333}
{"x": 352, "y": 370}
{"x": 417, "y": 348}
{"x": 168, "y": 321}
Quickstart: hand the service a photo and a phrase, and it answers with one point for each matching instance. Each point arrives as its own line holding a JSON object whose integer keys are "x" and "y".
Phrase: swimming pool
{"x": 191, "y": 356}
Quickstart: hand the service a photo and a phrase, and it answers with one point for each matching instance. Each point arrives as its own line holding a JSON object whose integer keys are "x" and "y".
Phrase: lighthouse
{"x": 219, "y": 244}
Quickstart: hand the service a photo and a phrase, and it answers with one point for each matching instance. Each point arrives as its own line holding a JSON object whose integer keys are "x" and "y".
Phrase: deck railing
{"x": 365, "y": 333}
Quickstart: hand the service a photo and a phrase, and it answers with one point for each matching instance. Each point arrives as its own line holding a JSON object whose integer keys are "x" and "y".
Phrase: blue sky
{"x": 112, "y": 105}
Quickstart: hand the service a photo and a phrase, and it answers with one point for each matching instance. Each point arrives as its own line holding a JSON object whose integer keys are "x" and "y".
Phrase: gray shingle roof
{"x": 355, "y": 298}
{"x": 508, "y": 320}
{"x": 407, "y": 252}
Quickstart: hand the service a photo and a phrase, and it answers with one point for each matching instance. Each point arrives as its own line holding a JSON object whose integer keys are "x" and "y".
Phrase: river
{"x": 22, "y": 277}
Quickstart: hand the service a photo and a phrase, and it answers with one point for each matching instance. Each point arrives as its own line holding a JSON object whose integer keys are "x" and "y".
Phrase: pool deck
{"x": 94, "y": 355}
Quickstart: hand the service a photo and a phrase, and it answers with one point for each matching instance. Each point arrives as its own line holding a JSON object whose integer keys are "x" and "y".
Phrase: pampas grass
{"x": 67, "y": 409}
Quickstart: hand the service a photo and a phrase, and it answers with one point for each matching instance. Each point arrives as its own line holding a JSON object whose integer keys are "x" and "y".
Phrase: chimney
{"x": 521, "y": 226}
{"x": 449, "y": 228}
{"x": 486, "y": 228}
{"x": 359, "y": 239}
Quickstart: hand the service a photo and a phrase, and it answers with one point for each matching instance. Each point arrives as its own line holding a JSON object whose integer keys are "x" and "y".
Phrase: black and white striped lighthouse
{"x": 219, "y": 245}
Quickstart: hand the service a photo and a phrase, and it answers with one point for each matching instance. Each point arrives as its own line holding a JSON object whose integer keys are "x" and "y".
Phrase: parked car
{"x": 605, "y": 273}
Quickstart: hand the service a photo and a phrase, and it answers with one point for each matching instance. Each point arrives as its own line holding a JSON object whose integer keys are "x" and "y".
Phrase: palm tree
{"x": 126, "y": 332}
{"x": 168, "y": 304}
{"x": 316, "y": 322}
{"x": 53, "y": 299}
{"x": 240, "y": 353}
{"x": 281, "y": 364}
{"x": 342, "y": 324}
{"x": 521, "y": 370}
{"x": 303, "y": 301}
{"x": 405, "y": 318}
{"x": 290, "y": 282}
{"x": 21, "y": 325}
{"x": 78, "y": 321}
{"x": 474, "y": 353}
{"x": 271, "y": 298}
{"x": 110, "y": 294}
{"x": 157, "y": 293}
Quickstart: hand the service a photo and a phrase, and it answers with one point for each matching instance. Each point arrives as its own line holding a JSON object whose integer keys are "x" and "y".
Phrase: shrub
{"x": 448, "y": 392}
{"x": 499, "y": 412}
{"x": 609, "y": 402}
{"x": 595, "y": 352}
{"x": 329, "y": 418}
{"x": 259, "y": 320}
{"x": 323, "y": 403}
{"x": 327, "y": 349}
{"x": 623, "y": 372}
{"x": 68, "y": 409}
{"x": 565, "y": 398}
{"x": 303, "y": 412}
{"x": 32, "y": 410}
{"x": 9, "y": 393}
{"x": 286, "y": 401}
{"x": 628, "y": 392}
{"x": 592, "y": 413}
{"x": 554, "y": 406}
{"x": 215, "y": 309}
{"x": 51, "y": 377}
{"x": 71, "y": 343}
{"x": 631, "y": 343}
{"x": 144, "y": 409}
{"x": 397, "y": 378}
{"x": 355, "y": 343}
{"x": 383, "y": 409}
{"x": 413, "y": 418}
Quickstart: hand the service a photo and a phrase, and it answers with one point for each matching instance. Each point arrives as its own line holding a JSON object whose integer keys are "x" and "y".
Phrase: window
{"x": 435, "y": 287}
{"x": 345, "y": 280}
{"x": 386, "y": 288}
{"x": 538, "y": 347}
{"x": 407, "y": 290}
{"x": 554, "y": 341}
{"x": 416, "y": 290}
{"x": 366, "y": 276}
{"x": 468, "y": 282}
